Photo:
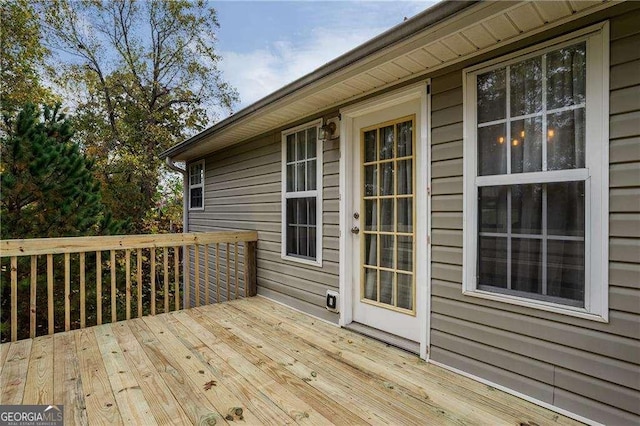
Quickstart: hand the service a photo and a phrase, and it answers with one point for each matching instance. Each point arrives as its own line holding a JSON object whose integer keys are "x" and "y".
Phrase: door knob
{"x": 355, "y": 230}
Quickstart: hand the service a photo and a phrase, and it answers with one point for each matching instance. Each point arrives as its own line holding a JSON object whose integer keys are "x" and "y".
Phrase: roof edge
{"x": 421, "y": 21}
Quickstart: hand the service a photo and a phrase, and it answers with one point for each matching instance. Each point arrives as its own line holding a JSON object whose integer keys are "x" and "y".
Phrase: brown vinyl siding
{"x": 243, "y": 191}
{"x": 586, "y": 367}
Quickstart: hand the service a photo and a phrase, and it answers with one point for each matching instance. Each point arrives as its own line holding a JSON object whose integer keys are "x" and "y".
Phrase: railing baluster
{"x": 50, "y": 293}
{"x": 185, "y": 276}
{"x": 153, "y": 280}
{"x": 67, "y": 291}
{"x": 83, "y": 312}
{"x": 228, "y": 275}
{"x": 32, "y": 296}
{"x": 217, "y": 272}
{"x": 127, "y": 269}
{"x": 235, "y": 266}
{"x": 196, "y": 283}
{"x": 139, "y": 280}
{"x": 206, "y": 274}
{"x": 14, "y": 298}
{"x": 114, "y": 302}
{"x": 176, "y": 258}
{"x": 98, "y": 287}
{"x": 250, "y": 280}
{"x": 166, "y": 278}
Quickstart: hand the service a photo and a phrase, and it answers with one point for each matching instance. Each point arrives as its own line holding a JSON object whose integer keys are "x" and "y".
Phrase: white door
{"x": 383, "y": 220}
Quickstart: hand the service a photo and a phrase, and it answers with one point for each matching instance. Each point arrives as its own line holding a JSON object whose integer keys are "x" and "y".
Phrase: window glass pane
{"x": 405, "y": 139}
{"x": 301, "y": 230}
{"x": 386, "y": 251}
{"x": 526, "y": 209}
{"x": 311, "y": 142}
{"x": 492, "y": 95}
{"x": 292, "y": 245}
{"x": 526, "y": 265}
{"x": 526, "y": 87}
{"x": 386, "y": 214}
{"x": 291, "y": 177}
{"x": 311, "y": 175}
{"x": 301, "y": 145}
{"x": 312, "y": 242}
{"x": 526, "y": 145}
{"x": 370, "y": 180}
{"x": 195, "y": 175}
{"x": 492, "y": 209}
{"x": 370, "y": 149}
{"x": 386, "y": 140}
{"x": 565, "y": 140}
{"x": 405, "y": 177}
{"x": 565, "y": 209}
{"x": 386, "y": 287}
{"x": 300, "y": 176}
{"x": 371, "y": 215}
{"x": 566, "y": 76}
{"x": 196, "y": 197}
{"x": 492, "y": 262}
{"x": 405, "y": 253}
{"x": 565, "y": 269}
{"x": 386, "y": 180}
{"x": 311, "y": 210}
{"x": 303, "y": 241}
{"x": 292, "y": 211}
{"x": 492, "y": 150}
{"x": 371, "y": 249}
{"x": 405, "y": 291}
{"x": 405, "y": 214}
{"x": 371, "y": 284}
{"x": 291, "y": 148}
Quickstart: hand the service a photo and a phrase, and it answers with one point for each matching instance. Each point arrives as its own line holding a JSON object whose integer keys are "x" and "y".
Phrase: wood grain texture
{"x": 39, "y": 385}
{"x": 98, "y": 287}
{"x": 32, "y": 296}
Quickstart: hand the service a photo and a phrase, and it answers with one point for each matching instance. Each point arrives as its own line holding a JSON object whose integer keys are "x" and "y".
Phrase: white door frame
{"x": 423, "y": 205}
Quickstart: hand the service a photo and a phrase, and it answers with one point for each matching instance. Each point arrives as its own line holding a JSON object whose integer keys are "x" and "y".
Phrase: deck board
{"x": 279, "y": 365}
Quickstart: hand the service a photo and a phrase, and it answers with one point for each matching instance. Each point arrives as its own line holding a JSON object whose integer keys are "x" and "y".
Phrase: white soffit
{"x": 474, "y": 31}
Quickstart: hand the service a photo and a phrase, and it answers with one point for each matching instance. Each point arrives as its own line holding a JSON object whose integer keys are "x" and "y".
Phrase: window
{"x": 302, "y": 194}
{"x": 196, "y": 186}
{"x": 536, "y": 165}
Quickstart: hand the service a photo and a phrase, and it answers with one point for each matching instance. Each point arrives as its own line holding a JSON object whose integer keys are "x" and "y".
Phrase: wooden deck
{"x": 252, "y": 361}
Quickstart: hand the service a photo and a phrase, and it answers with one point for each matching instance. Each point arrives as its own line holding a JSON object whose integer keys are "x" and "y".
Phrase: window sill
{"x": 317, "y": 263}
{"x": 196, "y": 209}
{"x": 537, "y": 304}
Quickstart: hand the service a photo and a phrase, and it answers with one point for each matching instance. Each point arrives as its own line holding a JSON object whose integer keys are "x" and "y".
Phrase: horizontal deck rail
{"x": 169, "y": 265}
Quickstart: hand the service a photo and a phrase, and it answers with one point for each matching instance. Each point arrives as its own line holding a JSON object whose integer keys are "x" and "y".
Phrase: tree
{"x": 148, "y": 72}
{"x": 48, "y": 189}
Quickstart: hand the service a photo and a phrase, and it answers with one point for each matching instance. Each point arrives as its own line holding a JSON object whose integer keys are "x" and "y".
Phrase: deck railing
{"x": 213, "y": 270}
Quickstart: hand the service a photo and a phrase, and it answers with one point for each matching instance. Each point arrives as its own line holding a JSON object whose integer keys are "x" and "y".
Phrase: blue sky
{"x": 267, "y": 44}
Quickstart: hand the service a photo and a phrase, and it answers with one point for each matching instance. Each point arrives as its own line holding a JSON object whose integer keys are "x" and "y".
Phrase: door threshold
{"x": 383, "y": 336}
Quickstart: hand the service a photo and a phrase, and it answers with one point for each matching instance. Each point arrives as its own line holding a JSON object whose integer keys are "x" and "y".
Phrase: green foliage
{"x": 48, "y": 189}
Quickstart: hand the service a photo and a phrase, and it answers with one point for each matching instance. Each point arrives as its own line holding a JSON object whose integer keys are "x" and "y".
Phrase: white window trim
{"x": 198, "y": 185}
{"x": 317, "y": 193}
{"x": 595, "y": 175}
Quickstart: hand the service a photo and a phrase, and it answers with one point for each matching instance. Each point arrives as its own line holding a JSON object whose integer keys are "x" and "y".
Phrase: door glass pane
{"x": 404, "y": 133}
{"x": 492, "y": 150}
{"x": 492, "y": 95}
{"x": 405, "y": 253}
{"x": 291, "y": 148}
{"x": 311, "y": 143}
{"x": 386, "y": 180}
{"x": 371, "y": 284}
{"x": 405, "y": 177}
{"x": 371, "y": 215}
{"x": 565, "y": 269}
{"x": 565, "y": 209}
{"x": 526, "y": 145}
{"x": 386, "y": 215}
{"x": 386, "y": 287}
{"x": 492, "y": 262}
{"x": 370, "y": 149}
{"x": 565, "y": 140}
{"x": 370, "y": 249}
{"x": 566, "y": 76}
{"x": 386, "y": 141}
{"x": 526, "y": 265}
{"x": 526, "y": 209}
{"x": 492, "y": 210}
{"x": 300, "y": 176}
{"x": 386, "y": 251}
{"x": 311, "y": 175}
{"x": 405, "y": 291}
{"x": 371, "y": 180}
{"x": 405, "y": 214}
{"x": 301, "y": 150}
{"x": 526, "y": 87}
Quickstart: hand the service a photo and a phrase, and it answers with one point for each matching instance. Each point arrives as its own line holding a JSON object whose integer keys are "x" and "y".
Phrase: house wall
{"x": 586, "y": 367}
{"x": 243, "y": 191}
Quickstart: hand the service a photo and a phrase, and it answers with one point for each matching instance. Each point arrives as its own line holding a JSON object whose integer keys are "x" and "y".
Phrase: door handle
{"x": 355, "y": 230}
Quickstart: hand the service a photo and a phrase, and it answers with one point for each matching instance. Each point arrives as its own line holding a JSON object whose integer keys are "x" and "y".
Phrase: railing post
{"x": 250, "y": 268}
